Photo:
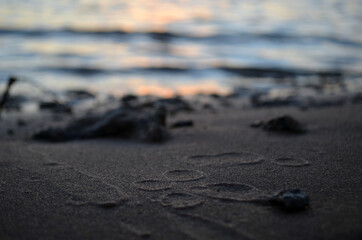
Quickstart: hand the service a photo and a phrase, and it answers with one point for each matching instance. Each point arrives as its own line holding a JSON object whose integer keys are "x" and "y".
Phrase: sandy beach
{"x": 180, "y": 120}
{"x": 207, "y": 181}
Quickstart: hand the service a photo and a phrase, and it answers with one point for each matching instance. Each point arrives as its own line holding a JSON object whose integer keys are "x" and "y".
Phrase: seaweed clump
{"x": 143, "y": 125}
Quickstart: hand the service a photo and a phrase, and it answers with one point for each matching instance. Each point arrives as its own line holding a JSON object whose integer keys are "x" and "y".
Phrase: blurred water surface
{"x": 175, "y": 46}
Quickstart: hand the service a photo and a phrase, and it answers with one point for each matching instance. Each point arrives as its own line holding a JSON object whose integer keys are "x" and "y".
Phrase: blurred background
{"x": 184, "y": 47}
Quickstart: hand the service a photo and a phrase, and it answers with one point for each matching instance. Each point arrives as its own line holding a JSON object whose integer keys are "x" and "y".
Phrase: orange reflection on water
{"x": 205, "y": 87}
{"x": 138, "y": 15}
{"x": 155, "y": 90}
{"x": 162, "y": 12}
{"x": 142, "y": 87}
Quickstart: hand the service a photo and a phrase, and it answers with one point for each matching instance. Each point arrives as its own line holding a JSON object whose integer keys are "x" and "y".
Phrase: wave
{"x": 94, "y": 71}
{"x": 239, "y": 71}
{"x": 47, "y": 32}
{"x": 167, "y": 36}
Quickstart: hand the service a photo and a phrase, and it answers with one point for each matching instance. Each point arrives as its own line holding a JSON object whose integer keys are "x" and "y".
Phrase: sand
{"x": 203, "y": 183}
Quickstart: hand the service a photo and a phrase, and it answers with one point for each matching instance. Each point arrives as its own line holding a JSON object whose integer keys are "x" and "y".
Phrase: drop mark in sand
{"x": 85, "y": 190}
{"x": 230, "y": 192}
{"x": 226, "y": 159}
{"x": 291, "y": 162}
{"x": 108, "y": 204}
{"x": 50, "y": 164}
{"x": 5, "y": 164}
{"x": 33, "y": 179}
{"x": 180, "y": 200}
{"x": 153, "y": 185}
{"x": 318, "y": 151}
{"x": 183, "y": 175}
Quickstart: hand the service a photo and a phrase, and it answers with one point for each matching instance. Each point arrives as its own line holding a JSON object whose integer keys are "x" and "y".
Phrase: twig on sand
{"x": 6, "y": 93}
{"x": 40, "y": 87}
{"x": 32, "y": 83}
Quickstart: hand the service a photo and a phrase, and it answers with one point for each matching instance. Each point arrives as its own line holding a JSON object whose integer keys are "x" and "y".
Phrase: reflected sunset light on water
{"x": 174, "y": 47}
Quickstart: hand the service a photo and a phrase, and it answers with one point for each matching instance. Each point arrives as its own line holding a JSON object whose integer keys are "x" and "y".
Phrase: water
{"x": 181, "y": 46}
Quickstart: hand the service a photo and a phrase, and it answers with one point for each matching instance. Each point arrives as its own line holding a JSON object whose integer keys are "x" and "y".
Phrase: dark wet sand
{"x": 201, "y": 184}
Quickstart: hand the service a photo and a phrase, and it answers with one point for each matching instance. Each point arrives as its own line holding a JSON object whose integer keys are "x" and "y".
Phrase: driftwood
{"x": 6, "y": 93}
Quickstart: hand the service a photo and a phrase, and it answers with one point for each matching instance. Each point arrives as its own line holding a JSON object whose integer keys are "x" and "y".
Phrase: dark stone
{"x": 10, "y": 132}
{"x": 215, "y": 95}
{"x": 284, "y": 124}
{"x": 125, "y": 123}
{"x": 184, "y": 123}
{"x": 21, "y": 123}
{"x": 128, "y": 98}
{"x": 291, "y": 200}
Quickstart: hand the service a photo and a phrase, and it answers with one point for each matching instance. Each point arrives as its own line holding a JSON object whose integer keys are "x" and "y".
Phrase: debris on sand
{"x": 263, "y": 100}
{"x": 14, "y": 103}
{"x": 183, "y": 123}
{"x": 172, "y": 105}
{"x": 79, "y": 94}
{"x": 175, "y": 105}
{"x": 55, "y": 135}
{"x": 149, "y": 126}
{"x": 357, "y": 98}
{"x": 10, "y": 131}
{"x": 6, "y": 93}
{"x": 291, "y": 200}
{"x": 130, "y": 101}
{"x": 284, "y": 123}
{"x": 256, "y": 124}
{"x": 129, "y": 97}
{"x": 21, "y": 123}
{"x": 55, "y": 107}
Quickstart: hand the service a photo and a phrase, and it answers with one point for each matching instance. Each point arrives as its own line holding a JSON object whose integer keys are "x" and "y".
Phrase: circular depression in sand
{"x": 226, "y": 159}
{"x": 181, "y": 200}
{"x": 228, "y": 191}
{"x": 183, "y": 175}
{"x": 153, "y": 185}
{"x": 291, "y": 162}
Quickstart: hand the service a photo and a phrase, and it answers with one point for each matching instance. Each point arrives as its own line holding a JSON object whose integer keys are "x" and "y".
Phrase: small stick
{"x": 11, "y": 81}
{"x": 39, "y": 87}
